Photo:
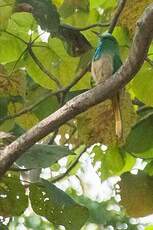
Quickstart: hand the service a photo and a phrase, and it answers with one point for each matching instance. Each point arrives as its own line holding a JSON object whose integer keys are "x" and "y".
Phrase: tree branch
{"x": 116, "y": 15}
{"x": 138, "y": 52}
{"x": 87, "y": 27}
{"x": 43, "y": 69}
{"x": 69, "y": 169}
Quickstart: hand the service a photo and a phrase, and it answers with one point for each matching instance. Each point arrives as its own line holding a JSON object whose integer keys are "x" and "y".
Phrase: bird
{"x": 105, "y": 62}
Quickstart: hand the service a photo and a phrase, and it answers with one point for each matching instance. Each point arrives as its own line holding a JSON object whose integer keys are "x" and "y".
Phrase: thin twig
{"x": 43, "y": 69}
{"x": 20, "y": 170}
{"x": 70, "y": 136}
{"x": 77, "y": 78}
{"x": 14, "y": 35}
{"x": 116, "y": 15}
{"x": 51, "y": 141}
{"x": 69, "y": 169}
{"x": 17, "y": 61}
{"x": 87, "y": 27}
{"x": 149, "y": 61}
{"x": 39, "y": 35}
{"x": 137, "y": 102}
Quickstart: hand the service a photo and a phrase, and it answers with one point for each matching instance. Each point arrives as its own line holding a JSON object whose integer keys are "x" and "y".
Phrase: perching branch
{"x": 138, "y": 52}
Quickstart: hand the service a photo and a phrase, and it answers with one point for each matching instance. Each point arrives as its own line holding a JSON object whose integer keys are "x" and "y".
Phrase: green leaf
{"x": 103, "y": 3}
{"x": 3, "y": 105}
{"x": 142, "y": 85}
{"x": 45, "y": 104}
{"x": 150, "y": 227}
{"x": 67, "y": 66}
{"x": 148, "y": 154}
{"x": 51, "y": 63}
{"x": 3, "y": 227}
{"x": 149, "y": 168}
{"x": 140, "y": 138}
{"x": 45, "y": 13}
{"x": 5, "y": 12}
{"x": 13, "y": 200}
{"x": 112, "y": 161}
{"x": 122, "y": 36}
{"x": 42, "y": 156}
{"x": 10, "y": 48}
{"x": 109, "y": 4}
{"x": 21, "y": 23}
{"x": 137, "y": 194}
{"x": 70, "y": 6}
{"x": 129, "y": 162}
{"x": 46, "y": 108}
{"x": 55, "y": 205}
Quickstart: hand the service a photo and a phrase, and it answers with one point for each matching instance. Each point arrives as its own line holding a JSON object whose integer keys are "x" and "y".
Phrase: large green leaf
{"x": 150, "y": 227}
{"x": 5, "y": 12}
{"x": 50, "y": 63}
{"x": 142, "y": 85}
{"x": 55, "y": 205}
{"x": 137, "y": 194}
{"x": 112, "y": 161}
{"x": 70, "y": 6}
{"x": 10, "y": 48}
{"x": 68, "y": 65}
{"x": 46, "y": 104}
{"x": 140, "y": 138}
{"x": 46, "y": 107}
{"x": 21, "y": 23}
{"x": 44, "y": 12}
{"x": 148, "y": 154}
{"x": 13, "y": 200}
{"x": 103, "y": 3}
{"x": 42, "y": 156}
{"x": 3, "y": 104}
{"x": 3, "y": 227}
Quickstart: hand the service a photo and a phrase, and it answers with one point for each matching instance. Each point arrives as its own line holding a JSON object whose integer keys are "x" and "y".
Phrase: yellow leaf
{"x": 27, "y": 120}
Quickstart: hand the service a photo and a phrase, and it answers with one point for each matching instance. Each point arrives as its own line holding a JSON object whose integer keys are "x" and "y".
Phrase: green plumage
{"x": 108, "y": 45}
{"x": 106, "y": 61}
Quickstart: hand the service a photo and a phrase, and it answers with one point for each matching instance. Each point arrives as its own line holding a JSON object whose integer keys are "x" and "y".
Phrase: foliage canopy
{"x": 45, "y": 49}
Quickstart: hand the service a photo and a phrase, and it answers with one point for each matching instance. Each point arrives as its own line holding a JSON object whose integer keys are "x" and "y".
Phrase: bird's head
{"x": 106, "y": 37}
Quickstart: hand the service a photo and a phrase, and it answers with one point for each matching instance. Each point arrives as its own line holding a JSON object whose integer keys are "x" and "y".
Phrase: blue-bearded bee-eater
{"x": 106, "y": 61}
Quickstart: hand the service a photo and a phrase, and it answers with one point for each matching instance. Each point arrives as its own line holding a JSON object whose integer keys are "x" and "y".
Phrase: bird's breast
{"x": 102, "y": 68}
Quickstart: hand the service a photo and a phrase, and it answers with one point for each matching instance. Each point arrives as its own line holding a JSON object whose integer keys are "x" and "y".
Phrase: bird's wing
{"x": 116, "y": 63}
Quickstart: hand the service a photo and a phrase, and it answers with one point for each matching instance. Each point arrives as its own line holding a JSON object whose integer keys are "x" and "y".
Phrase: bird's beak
{"x": 97, "y": 33}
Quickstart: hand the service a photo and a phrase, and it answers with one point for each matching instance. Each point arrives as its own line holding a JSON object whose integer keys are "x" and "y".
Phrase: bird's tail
{"x": 117, "y": 115}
